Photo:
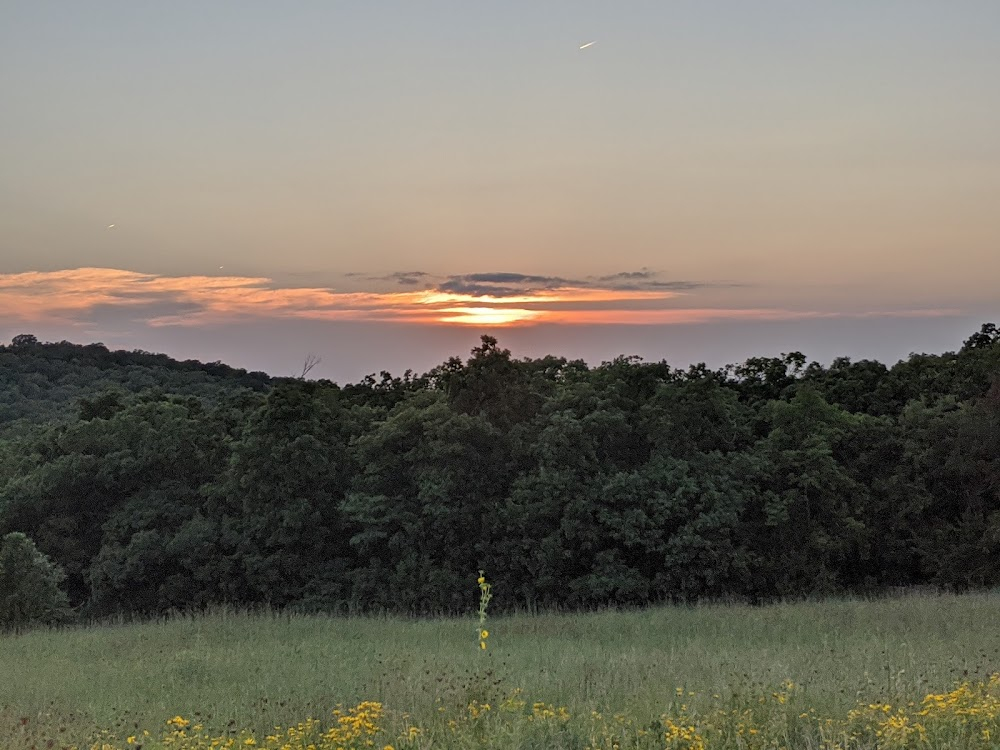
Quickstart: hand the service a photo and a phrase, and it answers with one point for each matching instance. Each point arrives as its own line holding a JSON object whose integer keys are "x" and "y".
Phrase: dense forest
{"x": 159, "y": 485}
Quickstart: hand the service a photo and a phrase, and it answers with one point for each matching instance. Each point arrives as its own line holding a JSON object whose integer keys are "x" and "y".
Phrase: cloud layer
{"x": 81, "y": 295}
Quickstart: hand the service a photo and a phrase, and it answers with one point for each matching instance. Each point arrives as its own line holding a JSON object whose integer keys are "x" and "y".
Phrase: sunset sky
{"x": 379, "y": 183}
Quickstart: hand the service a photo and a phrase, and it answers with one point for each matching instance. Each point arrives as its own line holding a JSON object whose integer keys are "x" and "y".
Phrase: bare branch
{"x": 308, "y": 364}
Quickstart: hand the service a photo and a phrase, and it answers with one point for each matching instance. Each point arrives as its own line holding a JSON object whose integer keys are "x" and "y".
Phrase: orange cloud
{"x": 707, "y": 314}
{"x": 76, "y": 294}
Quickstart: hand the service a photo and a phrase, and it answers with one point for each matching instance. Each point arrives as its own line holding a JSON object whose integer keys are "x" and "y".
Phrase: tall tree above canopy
{"x": 761, "y": 379}
{"x": 492, "y": 384}
{"x": 987, "y": 336}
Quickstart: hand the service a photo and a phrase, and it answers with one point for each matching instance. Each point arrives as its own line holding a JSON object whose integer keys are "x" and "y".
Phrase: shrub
{"x": 29, "y": 586}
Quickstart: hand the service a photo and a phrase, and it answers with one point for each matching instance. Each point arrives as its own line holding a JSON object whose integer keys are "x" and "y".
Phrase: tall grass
{"x": 260, "y": 670}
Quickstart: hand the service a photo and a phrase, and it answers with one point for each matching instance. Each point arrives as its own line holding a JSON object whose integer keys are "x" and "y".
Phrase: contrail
{"x": 588, "y": 44}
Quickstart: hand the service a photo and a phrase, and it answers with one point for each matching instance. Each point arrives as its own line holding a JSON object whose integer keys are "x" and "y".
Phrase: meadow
{"x": 850, "y": 673}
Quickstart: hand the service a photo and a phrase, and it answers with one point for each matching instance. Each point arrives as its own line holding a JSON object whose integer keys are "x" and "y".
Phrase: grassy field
{"x": 788, "y": 663}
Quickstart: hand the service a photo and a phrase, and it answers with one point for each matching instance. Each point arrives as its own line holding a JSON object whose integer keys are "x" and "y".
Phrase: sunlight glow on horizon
{"x": 489, "y": 316}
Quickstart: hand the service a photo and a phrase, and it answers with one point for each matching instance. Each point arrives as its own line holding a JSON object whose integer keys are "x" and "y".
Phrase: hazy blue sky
{"x": 380, "y": 182}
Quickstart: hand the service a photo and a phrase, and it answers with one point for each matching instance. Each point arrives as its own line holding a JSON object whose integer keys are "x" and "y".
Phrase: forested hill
{"x": 43, "y": 382}
{"x": 631, "y": 482}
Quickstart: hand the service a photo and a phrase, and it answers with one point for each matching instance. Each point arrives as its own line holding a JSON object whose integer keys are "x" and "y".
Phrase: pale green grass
{"x": 258, "y": 670}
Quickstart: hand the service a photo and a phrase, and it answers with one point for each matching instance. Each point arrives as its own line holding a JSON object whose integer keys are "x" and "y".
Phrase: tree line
{"x": 178, "y": 485}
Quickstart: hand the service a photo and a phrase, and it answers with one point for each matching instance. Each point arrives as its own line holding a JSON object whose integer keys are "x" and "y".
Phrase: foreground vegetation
{"x": 189, "y": 486}
{"x": 808, "y": 674}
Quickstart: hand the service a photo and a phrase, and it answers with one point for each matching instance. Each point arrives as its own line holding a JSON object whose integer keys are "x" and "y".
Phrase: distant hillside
{"x": 45, "y": 382}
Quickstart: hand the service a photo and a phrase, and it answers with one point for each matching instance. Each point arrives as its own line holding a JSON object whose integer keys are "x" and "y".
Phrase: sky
{"x": 377, "y": 184}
